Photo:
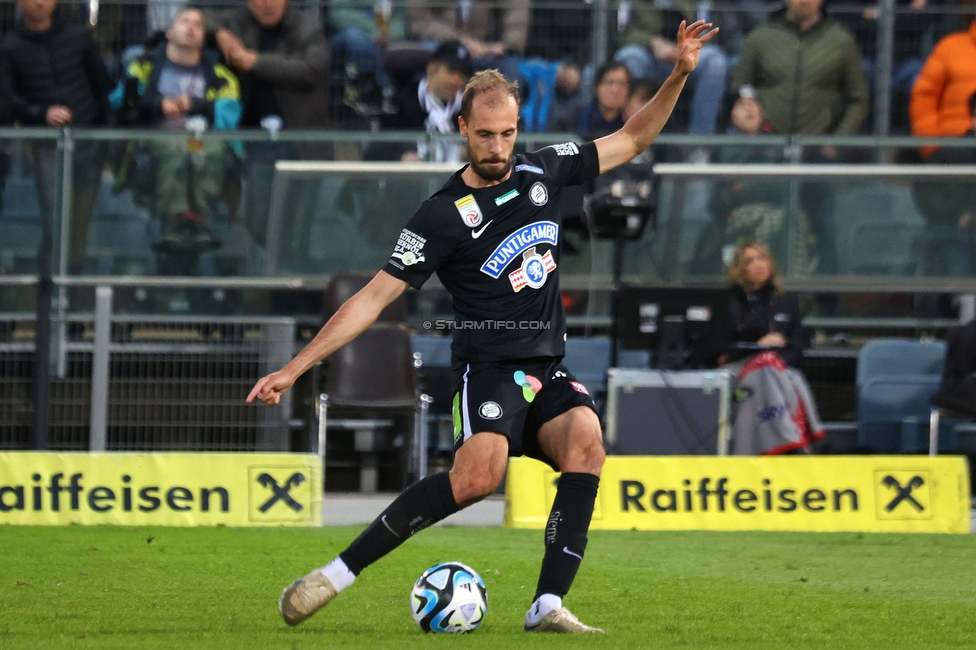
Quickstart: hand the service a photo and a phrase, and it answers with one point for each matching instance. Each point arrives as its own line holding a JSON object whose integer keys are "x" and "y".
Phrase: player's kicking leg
{"x": 573, "y": 440}
{"x": 479, "y": 465}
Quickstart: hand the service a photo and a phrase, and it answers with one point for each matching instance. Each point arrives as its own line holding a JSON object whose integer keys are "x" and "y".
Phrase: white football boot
{"x": 305, "y": 596}
{"x": 559, "y": 620}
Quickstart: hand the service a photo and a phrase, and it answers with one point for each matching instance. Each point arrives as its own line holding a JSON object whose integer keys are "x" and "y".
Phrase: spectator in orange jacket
{"x": 940, "y": 98}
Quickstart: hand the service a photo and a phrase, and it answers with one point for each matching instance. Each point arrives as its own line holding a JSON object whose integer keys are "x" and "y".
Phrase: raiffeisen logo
{"x": 162, "y": 488}
{"x": 722, "y": 494}
{"x": 903, "y": 494}
{"x": 881, "y": 494}
{"x": 58, "y": 492}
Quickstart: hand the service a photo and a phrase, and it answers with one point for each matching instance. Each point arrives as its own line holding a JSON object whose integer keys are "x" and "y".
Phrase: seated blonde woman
{"x": 773, "y": 411}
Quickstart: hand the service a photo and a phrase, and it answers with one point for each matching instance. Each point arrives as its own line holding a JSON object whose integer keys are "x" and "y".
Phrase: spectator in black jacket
{"x": 54, "y": 76}
{"x": 773, "y": 409}
{"x": 762, "y": 316}
{"x": 281, "y": 58}
{"x": 958, "y": 389}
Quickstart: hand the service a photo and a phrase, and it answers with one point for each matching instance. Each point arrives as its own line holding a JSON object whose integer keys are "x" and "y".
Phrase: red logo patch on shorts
{"x": 580, "y": 388}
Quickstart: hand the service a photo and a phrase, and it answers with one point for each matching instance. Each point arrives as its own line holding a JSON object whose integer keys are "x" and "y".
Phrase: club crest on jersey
{"x": 470, "y": 211}
{"x": 540, "y": 232}
{"x": 538, "y": 194}
{"x": 534, "y": 270}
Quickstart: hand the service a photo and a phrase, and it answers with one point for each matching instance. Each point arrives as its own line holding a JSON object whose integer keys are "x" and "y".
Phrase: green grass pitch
{"x": 79, "y": 587}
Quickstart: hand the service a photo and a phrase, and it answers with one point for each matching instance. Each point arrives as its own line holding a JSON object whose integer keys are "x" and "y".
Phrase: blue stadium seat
{"x": 434, "y": 351}
{"x": 635, "y": 359}
{"x": 877, "y": 227}
{"x": 588, "y": 359}
{"x": 20, "y": 226}
{"x": 20, "y": 199}
{"x": 895, "y": 381}
{"x": 119, "y": 233}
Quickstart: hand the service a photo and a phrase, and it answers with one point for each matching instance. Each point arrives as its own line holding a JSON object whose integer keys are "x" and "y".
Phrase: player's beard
{"x": 492, "y": 174}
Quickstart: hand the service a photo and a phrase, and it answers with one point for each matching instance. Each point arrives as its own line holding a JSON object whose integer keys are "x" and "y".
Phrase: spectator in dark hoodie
{"x": 53, "y": 75}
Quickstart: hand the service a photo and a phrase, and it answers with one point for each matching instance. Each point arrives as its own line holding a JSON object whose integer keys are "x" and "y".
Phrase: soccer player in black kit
{"x": 492, "y": 236}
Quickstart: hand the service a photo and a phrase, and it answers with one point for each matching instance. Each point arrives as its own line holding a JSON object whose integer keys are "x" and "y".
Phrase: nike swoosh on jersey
{"x": 477, "y": 233}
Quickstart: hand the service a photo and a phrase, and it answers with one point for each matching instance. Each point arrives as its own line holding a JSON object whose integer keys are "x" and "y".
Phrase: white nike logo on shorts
{"x": 477, "y": 233}
{"x": 569, "y": 552}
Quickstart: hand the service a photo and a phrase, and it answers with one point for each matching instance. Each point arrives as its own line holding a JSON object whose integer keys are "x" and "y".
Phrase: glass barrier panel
{"x": 157, "y": 204}
{"x": 854, "y": 221}
{"x": 31, "y": 169}
{"x": 326, "y": 218}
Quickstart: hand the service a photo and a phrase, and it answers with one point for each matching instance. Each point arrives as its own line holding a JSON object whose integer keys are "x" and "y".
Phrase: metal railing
{"x": 134, "y": 383}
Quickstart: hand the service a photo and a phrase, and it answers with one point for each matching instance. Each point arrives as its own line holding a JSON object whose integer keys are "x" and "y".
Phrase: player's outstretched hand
{"x": 270, "y": 389}
{"x": 690, "y": 40}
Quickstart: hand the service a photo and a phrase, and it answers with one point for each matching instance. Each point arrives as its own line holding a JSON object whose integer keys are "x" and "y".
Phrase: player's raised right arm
{"x": 645, "y": 125}
{"x": 351, "y": 320}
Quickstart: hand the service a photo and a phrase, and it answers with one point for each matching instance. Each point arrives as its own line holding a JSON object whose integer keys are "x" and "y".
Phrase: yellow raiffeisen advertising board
{"x": 163, "y": 489}
{"x": 798, "y": 493}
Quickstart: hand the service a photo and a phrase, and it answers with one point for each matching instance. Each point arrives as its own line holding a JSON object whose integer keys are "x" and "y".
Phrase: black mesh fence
{"x": 577, "y": 33}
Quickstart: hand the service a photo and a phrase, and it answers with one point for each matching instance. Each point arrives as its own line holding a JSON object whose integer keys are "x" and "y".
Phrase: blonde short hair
{"x": 484, "y": 82}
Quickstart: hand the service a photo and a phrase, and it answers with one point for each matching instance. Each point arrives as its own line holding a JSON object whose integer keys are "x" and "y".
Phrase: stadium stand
{"x": 884, "y": 284}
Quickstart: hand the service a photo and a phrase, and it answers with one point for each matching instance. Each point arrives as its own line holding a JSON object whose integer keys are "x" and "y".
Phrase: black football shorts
{"x": 514, "y": 398}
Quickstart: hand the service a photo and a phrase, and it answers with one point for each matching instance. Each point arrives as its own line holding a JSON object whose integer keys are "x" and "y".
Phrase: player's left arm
{"x": 639, "y": 132}
{"x": 351, "y": 320}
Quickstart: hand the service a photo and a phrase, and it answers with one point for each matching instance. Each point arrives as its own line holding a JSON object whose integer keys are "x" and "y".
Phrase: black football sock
{"x": 422, "y": 504}
{"x": 566, "y": 532}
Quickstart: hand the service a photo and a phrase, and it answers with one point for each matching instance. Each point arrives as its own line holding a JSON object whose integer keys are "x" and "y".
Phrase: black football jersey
{"x": 496, "y": 251}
